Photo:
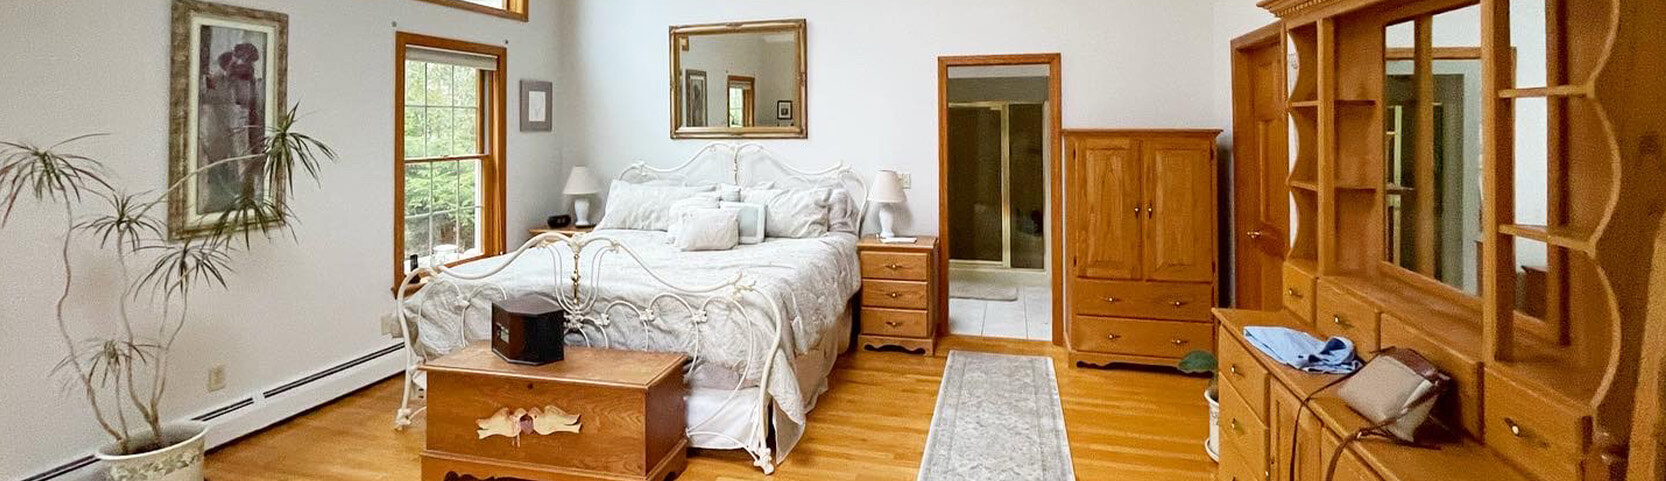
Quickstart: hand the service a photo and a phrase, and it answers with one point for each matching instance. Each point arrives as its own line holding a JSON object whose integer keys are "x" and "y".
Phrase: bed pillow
{"x": 695, "y": 202}
{"x": 752, "y": 217}
{"x": 794, "y": 214}
{"x": 843, "y": 215}
{"x": 707, "y": 230}
{"x": 643, "y": 207}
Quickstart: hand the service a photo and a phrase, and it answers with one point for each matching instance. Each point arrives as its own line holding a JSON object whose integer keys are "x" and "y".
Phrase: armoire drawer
{"x": 1137, "y": 337}
{"x": 895, "y": 322}
{"x": 1153, "y": 300}
{"x": 1298, "y": 292}
{"x": 895, "y": 294}
{"x": 1341, "y": 314}
{"x": 1541, "y": 436}
{"x": 1240, "y": 427}
{"x": 905, "y": 266}
{"x": 1242, "y": 372}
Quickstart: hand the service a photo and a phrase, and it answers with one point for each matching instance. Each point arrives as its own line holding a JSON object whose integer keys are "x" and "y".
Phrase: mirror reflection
{"x": 738, "y": 80}
{"x": 1432, "y": 142}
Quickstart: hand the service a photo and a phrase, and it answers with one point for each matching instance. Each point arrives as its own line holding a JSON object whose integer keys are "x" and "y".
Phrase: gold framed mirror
{"x": 758, "y": 70}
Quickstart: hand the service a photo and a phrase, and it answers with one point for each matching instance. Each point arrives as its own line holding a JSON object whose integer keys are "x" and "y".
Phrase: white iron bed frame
{"x": 587, "y": 310}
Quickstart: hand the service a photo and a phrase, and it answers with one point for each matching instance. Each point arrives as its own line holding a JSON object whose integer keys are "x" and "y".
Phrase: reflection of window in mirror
{"x": 1432, "y": 147}
{"x": 742, "y": 108}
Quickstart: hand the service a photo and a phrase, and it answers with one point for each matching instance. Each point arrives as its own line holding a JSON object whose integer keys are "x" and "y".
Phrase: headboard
{"x": 747, "y": 164}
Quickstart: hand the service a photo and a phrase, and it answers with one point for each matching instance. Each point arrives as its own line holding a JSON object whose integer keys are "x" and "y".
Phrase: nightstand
{"x": 569, "y": 230}
{"x": 899, "y": 295}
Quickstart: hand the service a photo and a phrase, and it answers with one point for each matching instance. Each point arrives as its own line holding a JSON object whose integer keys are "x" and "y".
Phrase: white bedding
{"x": 812, "y": 280}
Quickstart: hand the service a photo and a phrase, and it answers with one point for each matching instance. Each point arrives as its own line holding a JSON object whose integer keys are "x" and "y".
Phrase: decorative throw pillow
{"x": 796, "y": 214}
{"x": 643, "y": 207}
{"x": 707, "y": 230}
{"x": 843, "y": 215}
{"x": 752, "y": 218}
{"x": 694, "y": 202}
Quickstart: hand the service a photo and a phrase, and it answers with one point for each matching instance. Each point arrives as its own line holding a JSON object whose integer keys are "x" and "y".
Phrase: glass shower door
{"x": 976, "y": 206}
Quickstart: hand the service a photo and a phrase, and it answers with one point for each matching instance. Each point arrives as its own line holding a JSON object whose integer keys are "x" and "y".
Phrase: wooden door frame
{"x": 1055, "y": 229}
{"x": 1271, "y": 34}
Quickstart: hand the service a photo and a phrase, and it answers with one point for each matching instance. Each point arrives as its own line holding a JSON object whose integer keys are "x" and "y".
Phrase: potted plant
{"x": 122, "y": 370}
{"x": 1200, "y": 362}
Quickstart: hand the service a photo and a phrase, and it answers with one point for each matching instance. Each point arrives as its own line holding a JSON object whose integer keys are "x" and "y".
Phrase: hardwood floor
{"x": 1123, "y": 424}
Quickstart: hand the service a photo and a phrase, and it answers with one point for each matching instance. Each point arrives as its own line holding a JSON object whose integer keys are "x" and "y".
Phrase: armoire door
{"x": 1104, "y": 206}
{"x": 1180, "y": 220}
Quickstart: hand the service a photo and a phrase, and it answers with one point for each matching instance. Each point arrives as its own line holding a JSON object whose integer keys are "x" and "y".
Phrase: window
{"x": 449, "y": 154}
{"x": 513, "y": 9}
{"x": 741, "y": 101}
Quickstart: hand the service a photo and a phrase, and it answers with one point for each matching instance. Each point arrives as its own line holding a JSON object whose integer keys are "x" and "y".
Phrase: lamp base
{"x": 887, "y": 220}
{"x": 581, "y": 212}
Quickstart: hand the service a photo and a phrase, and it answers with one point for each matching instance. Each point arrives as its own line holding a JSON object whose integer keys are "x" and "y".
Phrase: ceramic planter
{"x": 1213, "y": 445}
{"x": 182, "y": 460}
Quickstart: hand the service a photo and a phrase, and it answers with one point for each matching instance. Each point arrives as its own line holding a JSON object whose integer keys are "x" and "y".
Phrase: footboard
{"x": 706, "y": 322}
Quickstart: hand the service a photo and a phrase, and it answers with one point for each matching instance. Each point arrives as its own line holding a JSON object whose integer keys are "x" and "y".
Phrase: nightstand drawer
{"x": 895, "y": 322}
{"x": 907, "y": 266}
{"x": 897, "y": 294}
{"x": 1164, "y": 339}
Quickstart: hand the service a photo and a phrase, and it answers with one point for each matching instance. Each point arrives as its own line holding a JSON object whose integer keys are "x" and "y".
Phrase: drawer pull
{"x": 1235, "y": 427}
{"x": 1338, "y": 320}
{"x": 1178, "y": 303}
{"x": 1113, "y": 337}
{"x": 1515, "y": 428}
{"x": 1234, "y": 370}
{"x": 893, "y": 266}
{"x": 893, "y": 324}
{"x": 1112, "y": 299}
{"x": 1294, "y": 294}
{"x": 893, "y": 295}
{"x": 1178, "y": 342}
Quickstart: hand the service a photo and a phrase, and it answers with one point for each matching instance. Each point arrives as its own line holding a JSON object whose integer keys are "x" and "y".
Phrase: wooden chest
{"x": 599, "y": 414}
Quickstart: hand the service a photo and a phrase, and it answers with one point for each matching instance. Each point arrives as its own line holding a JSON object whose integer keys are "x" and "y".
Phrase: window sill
{"x": 477, "y": 8}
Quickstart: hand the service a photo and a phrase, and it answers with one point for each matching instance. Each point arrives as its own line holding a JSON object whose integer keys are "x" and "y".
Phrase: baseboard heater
{"x": 76, "y": 465}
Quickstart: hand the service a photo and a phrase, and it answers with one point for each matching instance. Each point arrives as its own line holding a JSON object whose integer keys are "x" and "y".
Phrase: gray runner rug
{"x": 998, "y": 418}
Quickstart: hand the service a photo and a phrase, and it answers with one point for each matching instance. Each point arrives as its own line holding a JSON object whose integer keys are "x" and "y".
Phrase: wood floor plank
{"x": 872, "y": 425}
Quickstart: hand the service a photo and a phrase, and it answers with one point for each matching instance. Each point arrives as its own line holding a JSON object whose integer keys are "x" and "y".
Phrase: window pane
{"x": 445, "y": 230}
{"x": 415, "y": 127}
{"x": 418, "y": 186}
{"x": 466, "y": 86}
{"x": 415, "y": 86}
{"x": 439, "y": 132}
{"x": 498, "y": 4}
{"x": 469, "y": 184}
{"x": 469, "y": 232}
{"x": 439, "y": 84}
{"x": 466, "y": 131}
{"x": 416, "y": 238}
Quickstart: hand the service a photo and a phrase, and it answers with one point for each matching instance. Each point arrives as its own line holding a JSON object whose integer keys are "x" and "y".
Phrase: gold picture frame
{"x": 681, "y": 43}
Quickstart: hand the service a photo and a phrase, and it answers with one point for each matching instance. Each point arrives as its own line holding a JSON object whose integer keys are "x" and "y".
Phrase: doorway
{"x": 998, "y": 147}
{"x": 1260, "y": 169}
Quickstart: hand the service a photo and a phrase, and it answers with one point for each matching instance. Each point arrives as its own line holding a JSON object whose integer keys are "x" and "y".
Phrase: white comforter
{"x": 811, "y": 281}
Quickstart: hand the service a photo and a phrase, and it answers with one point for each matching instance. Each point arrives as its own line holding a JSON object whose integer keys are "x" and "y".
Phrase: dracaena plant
{"x": 122, "y": 374}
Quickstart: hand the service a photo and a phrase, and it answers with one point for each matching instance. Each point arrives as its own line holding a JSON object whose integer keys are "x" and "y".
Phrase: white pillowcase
{"x": 796, "y": 214}
{"x": 843, "y": 215}
{"x": 707, "y": 230}
{"x": 678, "y": 208}
{"x": 643, "y": 207}
{"x": 752, "y": 217}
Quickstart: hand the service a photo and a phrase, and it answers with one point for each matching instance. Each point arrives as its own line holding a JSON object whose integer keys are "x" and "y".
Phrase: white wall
{"x": 873, "y": 76}
{"x": 77, "y": 66}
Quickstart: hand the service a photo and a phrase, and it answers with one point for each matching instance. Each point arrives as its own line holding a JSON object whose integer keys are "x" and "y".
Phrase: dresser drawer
{"x": 1543, "y": 437}
{"x": 895, "y": 322}
{"x": 1241, "y": 428}
{"x": 1238, "y": 466}
{"x": 897, "y": 294}
{"x": 1164, "y": 339}
{"x": 1341, "y": 314}
{"x": 1243, "y": 373}
{"x": 905, "y": 266}
{"x": 1298, "y": 292}
{"x": 1461, "y": 406}
{"x": 1155, "y": 300}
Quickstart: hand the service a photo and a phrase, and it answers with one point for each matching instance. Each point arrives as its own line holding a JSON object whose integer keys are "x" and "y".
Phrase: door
{"x": 1180, "y": 210}
{"x": 1105, "y": 215}
{"x": 1261, "y": 156}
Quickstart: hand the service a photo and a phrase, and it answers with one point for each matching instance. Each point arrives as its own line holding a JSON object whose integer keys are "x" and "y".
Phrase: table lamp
{"x": 887, "y": 190}
{"x": 581, "y": 184}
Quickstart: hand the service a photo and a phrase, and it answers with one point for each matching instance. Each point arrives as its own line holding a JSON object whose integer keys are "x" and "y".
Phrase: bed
{"x": 763, "y": 323}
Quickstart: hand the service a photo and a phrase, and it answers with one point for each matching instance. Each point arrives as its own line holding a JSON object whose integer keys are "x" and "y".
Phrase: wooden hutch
{"x": 1547, "y": 393}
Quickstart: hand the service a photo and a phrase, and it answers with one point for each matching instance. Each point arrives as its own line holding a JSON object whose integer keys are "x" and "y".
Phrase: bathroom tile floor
{"x": 1029, "y": 317}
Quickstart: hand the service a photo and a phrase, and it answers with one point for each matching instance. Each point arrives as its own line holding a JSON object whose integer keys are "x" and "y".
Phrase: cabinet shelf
{"x": 1306, "y": 185}
{"x": 1546, "y": 92}
{"x": 1564, "y": 237}
{"x": 1305, "y": 104}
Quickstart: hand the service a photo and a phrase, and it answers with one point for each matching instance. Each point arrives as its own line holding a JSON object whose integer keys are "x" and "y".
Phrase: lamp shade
{"x": 887, "y": 188}
{"x": 581, "y": 182}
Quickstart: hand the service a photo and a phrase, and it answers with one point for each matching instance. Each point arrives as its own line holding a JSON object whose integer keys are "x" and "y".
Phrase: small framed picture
{"x": 783, "y": 110}
{"x": 535, "y": 106}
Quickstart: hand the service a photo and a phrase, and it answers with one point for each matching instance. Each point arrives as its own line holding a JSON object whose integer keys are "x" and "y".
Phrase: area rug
{"x": 982, "y": 289}
{"x": 998, "y": 418}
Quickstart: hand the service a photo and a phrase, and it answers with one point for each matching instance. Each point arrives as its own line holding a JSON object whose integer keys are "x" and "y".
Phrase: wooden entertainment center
{"x": 1566, "y": 385}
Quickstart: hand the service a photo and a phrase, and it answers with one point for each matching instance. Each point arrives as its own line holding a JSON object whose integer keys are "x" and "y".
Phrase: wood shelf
{"x": 1564, "y": 237}
{"x": 1355, "y": 188}
{"x": 1306, "y": 185}
{"x": 1305, "y": 104}
{"x": 1356, "y": 103}
{"x": 1560, "y": 91}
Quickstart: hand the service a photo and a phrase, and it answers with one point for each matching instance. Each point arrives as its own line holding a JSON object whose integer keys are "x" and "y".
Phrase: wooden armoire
{"x": 1141, "y": 241}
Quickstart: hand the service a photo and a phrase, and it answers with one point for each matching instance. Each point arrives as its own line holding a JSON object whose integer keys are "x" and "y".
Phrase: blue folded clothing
{"x": 1302, "y": 351}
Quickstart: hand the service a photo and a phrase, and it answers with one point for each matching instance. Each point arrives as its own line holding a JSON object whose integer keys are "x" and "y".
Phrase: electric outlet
{"x": 216, "y": 378}
{"x": 906, "y": 179}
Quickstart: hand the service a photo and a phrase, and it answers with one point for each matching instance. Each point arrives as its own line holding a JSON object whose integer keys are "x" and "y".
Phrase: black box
{"x": 528, "y": 331}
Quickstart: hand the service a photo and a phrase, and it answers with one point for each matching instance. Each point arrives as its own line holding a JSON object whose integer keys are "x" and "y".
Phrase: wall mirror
{"x": 739, "y": 80}
{"x": 1432, "y": 136}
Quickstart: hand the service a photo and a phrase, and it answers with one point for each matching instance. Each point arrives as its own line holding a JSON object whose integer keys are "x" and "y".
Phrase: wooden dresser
{"x": 629, "y": 425}
{"x": 1141, "y": 240}
{"x": 900, "y": 284}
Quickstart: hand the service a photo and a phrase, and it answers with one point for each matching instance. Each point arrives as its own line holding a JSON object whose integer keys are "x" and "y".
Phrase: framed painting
{"x": 228, "y": 82}
{"x": 783, "y": 110}
{"x": 535, "y": 106}
{"x": 695, "y": 83}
